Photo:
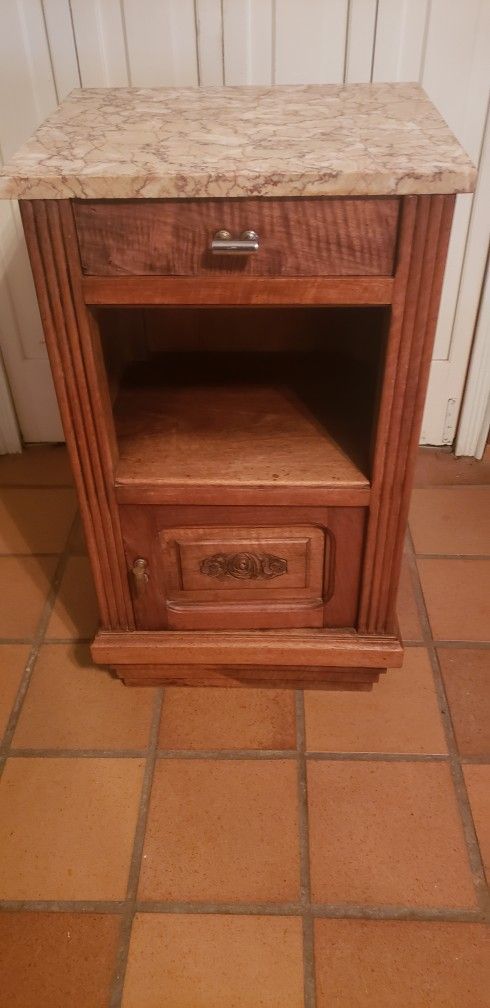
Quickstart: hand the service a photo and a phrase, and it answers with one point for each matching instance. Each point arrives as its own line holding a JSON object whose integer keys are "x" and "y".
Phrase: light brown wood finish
{"x": 223, "y": 436}
{"x": 347, "y": 528}
{"x": 425, "y": 233}
{"x": 293, "y": 421}
{"x": 224, "y": 290}
{"x": 298, "y": 237}
{"x": 301, "y": 677}
{"x": 442, "y": 212}
{"x": 236, "y": 564}
{"x": 286, "y": 648}
{"x": 293, "y": 477}
{"x": 179, "y": 493}
{"x": 241, "y": 577}
{"x": 324, "y": 545}
{"x": 51, "y": 242}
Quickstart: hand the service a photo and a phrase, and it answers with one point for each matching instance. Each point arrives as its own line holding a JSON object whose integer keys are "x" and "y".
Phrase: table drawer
{"x": 295, "y": 237}
{"x": 232, "y": 568}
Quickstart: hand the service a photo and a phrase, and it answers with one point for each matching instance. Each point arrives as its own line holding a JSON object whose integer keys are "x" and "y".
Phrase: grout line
{"x": 36, "y": 486}
{"x": 302, "y": 801}
{"x": 374, "y": 757}
{"x": 305, "y": 889}
{"x": 461, "y": 794}
{"x": 69, "y": 640}
{"x": 26, "y": 641}
{"x": 452, "y": 556}
{"x": 340, "y": 910}
{"x": 64, "y": 906}
{"x": 393, "y": 912}
{"x": 49, "y": 640}
{"x": 451, "y": 486}
{"x": 136, "y": 857}
{"x": 28, "y": 553}
{"x": 470, "y": 644}
{"x": 239, "y": 754}
{"x": 77, "y": 753}
{"x": 227, "y": 754}
{"x": 238, "y": 909}
{"x": 36, "y": 642}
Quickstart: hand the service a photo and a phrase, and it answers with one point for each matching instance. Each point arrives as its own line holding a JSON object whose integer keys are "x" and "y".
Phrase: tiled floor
{"x": 244, "y": 848}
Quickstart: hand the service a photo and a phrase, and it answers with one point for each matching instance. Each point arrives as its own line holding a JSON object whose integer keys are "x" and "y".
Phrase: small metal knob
{"x": 139, "y": 570}
{"x": 224, "y": 244}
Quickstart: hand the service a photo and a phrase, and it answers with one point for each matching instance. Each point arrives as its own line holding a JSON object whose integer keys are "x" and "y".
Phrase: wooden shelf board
{"x": 177, "y": 429}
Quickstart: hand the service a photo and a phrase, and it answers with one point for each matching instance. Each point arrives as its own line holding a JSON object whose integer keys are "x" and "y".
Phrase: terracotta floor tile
{"x": 466, "y": 674}
{"x": 45, "y": 465}
{"x": 72, "y": 704}
{"x": 206, "y": 961}
{"x": 478, "y": 785}
{"x": 75, "y": 610}
{"x": 52, "y": 960}
{"x": 228, "y": 719}
{"x": 437, "y": 467}
{"x": 24, "y": 586}
{"x": 457, "y": 595}
{"x": 222, "y": 830}
{"x": 67, "y": 827}
{"x": 401, "y": 964}
{"x": 386, "y": 833}
{"x": 451, "y": 520}
{"x": 35, "y": 521}
{"x": 408, "y": 617}
{"x": 401, "y": 715}
{"x": 13, "y": 658}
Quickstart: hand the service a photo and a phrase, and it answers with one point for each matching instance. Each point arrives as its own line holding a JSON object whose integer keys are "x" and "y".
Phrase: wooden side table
{"x": 239, "y": 290}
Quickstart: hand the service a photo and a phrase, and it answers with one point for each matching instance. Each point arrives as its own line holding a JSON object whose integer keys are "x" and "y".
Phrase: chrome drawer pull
{"x": 224, "y": 244}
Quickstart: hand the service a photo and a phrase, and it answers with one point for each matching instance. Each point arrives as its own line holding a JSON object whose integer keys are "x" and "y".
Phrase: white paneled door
{"x": 51, "y": 46}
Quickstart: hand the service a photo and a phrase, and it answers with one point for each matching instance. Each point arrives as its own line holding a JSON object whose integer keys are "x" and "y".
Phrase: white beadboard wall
{"x": 48, "y": 47}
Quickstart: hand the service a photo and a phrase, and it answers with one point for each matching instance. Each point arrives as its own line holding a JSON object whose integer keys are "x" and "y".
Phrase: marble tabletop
{"x": 311, "y": 140}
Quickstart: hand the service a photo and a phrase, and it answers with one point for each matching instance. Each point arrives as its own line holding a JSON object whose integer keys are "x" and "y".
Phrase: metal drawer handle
{"x": 224, "y": 244}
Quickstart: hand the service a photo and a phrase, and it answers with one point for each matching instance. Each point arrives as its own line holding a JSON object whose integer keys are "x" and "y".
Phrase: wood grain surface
{"x": 293, "y": 648}
{"x": 216, "y": 421}
{"x": 298, "y": 237}
{"x": 238, "y": 290}
{"x": 321, "y": 586}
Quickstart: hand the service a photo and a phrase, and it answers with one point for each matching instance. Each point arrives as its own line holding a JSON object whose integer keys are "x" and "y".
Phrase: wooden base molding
{"x": 320, "y": 650}
{"x": 269, "y": 677}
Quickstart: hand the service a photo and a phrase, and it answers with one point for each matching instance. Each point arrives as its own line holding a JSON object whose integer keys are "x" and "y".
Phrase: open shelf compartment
{"x": 243, "y": 399}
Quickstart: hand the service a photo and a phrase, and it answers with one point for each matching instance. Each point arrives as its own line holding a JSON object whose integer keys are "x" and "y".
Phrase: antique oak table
{"x": 239, "y": 289}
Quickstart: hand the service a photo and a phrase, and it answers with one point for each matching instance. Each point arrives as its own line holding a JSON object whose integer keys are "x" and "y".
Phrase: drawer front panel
{"x": 233, "y": 564}
{"x": 218, "y": 568}
{"x": 296, "y": 237}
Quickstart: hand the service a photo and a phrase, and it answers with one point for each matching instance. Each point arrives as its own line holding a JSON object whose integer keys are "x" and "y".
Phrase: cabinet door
{"x": 200, "y": 568}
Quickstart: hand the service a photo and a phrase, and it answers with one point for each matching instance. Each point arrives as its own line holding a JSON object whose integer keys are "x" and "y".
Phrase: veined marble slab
{"x": 312, "y": 140}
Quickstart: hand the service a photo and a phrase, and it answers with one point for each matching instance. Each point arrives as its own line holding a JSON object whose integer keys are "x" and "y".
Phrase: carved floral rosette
{"x": 244, "y": 566}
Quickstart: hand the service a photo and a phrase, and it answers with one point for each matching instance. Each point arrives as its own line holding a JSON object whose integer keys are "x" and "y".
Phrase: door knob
{"x": 140, "y": 574}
